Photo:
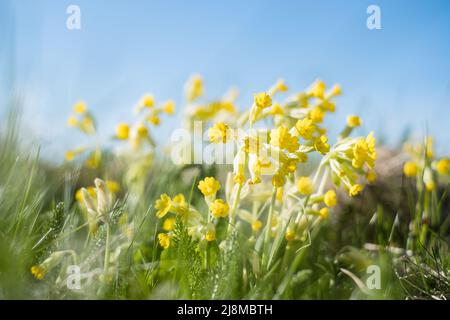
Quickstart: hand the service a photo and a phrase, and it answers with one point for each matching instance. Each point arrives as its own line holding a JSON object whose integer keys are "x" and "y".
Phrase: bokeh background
{"x": 396, "y": 78}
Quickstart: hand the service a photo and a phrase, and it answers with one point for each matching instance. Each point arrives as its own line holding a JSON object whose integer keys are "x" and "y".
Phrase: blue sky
{"x": 395, "y": 78}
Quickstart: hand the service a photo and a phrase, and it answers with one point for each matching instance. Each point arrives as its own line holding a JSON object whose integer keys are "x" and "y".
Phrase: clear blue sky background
{"x": 395, "y": 78}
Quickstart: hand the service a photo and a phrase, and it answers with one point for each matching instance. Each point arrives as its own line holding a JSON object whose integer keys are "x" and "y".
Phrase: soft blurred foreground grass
{"x": 38, "y": 216}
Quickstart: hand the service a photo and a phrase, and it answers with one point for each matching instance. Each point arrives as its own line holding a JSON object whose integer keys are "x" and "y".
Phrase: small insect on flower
{"x": 410, "y": 169}
{"x": 164, "y": 240}
{"x": 330, "y": 198}
{"x": 122, "y": 131}
{"x": 304, "y": 186}
{"x": 219, "y": 133}
{"x": 353, "y": 121}
{"x": 209, "y": 186}
{"x": 219, "y": 209}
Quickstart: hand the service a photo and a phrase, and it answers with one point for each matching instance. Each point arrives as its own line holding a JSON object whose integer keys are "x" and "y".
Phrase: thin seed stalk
{"x": 107, "y": 252}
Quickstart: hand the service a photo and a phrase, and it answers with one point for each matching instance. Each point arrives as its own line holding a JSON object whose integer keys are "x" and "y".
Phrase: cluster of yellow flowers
{"x": 199, "y": 110}
{"x": 149, "y": 114}
{"x": 268, "y": 160}
{"x": 424, "y": 166}
{"x": 138, "y": 134}
{"x": 84, "y": 121}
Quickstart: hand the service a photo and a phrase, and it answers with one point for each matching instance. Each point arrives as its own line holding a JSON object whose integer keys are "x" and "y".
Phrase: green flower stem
{"x": 265, "y": 251}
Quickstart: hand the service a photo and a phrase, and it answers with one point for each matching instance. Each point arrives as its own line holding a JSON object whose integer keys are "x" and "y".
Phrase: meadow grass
{"x": 123, "y": 250}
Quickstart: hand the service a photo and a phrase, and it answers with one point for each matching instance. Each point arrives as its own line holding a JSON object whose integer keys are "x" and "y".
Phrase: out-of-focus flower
{"x": 219, "y": 133}
{"x": 410, "y": 169}
{"x": 353, "y": 121}
{"x": 122, "y": 131}
{"x": 209, "y": 186}
{"x": 304, "y": 186}
{"x": 219, "y": 209}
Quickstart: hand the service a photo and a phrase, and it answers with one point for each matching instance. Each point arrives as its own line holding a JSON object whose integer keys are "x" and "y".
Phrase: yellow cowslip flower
{"x": 324, "y": 213}
{"x": 328, "y": 106}
{"x": 79, "y": 196}
{"x": 410, "y": 169}
{"x": 219, "y": 209}
{"x": 142, "y": 130}
{"x": 304, "y": 186}
{"x": 113, "y": 186}
{"x": 355, "y": 190}
{"x": 353, "y": 121}
{"x": 290, "y": 235}
{"x": 336, "y": 90}
{"x": 154, "y": 119}
{"x": 69, "y": 155}
{"x": 430, "y": 185}
{"x": 163, "y": 205}
{"x": 281, "y": 86}
{"x": 169, "y": 107}
{"x": 194, "y": 88}
{"x": 262, "y": 100}
{"x": 443, "y": 167}
{"x": 276, "y": 110}
{"x": 330, "y": 198}
{"x": 164, "y": 240}
{"x": 364, "y": 152}
{"x": 256, "y": 225}
{"x": 179, "y": 205}
{"x": 219, "y": 133}
{"x": 321, "y": 144}
{"x": 87, "y": 124}
{"x": 80, "y": 107}
{"x": 318, "y": 89}
{"x": 305, "y": 128}
{"x": 278, "y": 180}
{"x": 147, "y": 101}
{"x": 239, "y": 178}
{"x": 210, "y": 234}
{"x": 122, "y": 131}
{"x": 38, "y": 272}
{"x": 280, "y": 137}
{"x": 209, "y": 186}
{"x": 72, "y": 121}
{"x": 317, "y": 114}
{"x": 169, "y": 224}
{"x": 302, "y": 157}
{"x": 371, "y": 176}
